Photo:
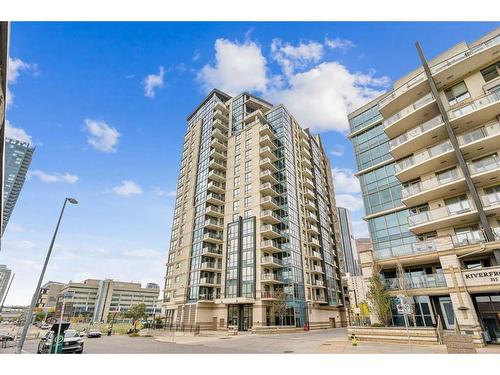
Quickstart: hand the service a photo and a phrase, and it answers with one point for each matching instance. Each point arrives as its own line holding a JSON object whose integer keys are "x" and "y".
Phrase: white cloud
{"x": 17, "y": 133}
{"x": 353, "y": 202}
{"x": 102, "y": 137}
{"x": 15, "y": 228}
{"x": 197, "y": 55}
{"x": 142, "y": 253}
{"x": 15, "y": 67}
{"x": 153, "y": 82}
{"x": 19, "y": 244}
{"x": 321, "y": 97}
{"x": 360, "y": 229}
{"x": 337, "y": 150}
{"x": 338, "y": 43}
{"x": 127, "y": 188}
{"x": 344, "y": 181}
{"x": 159, "y": 192}
{"x": 55, "y": 177}
{"x": 291, "y": 57}
{"x": 238, "y": 67}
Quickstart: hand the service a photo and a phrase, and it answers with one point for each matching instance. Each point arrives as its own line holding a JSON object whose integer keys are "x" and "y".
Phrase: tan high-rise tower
{"x": 255, "y": 223}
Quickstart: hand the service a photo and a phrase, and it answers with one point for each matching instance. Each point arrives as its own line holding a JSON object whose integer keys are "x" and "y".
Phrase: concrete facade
{"x": 441, "y": 128}
{"x": 255, "y": 219}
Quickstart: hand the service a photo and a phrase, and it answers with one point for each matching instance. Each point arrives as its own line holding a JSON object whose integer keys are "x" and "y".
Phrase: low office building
{"x": 49, "y": 293}
{"x": 429, "y": 165}
{"x": 97, "y": 299}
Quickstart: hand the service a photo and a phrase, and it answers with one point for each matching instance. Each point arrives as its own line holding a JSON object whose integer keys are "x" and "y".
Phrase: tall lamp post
{"x": 29, "y": 315}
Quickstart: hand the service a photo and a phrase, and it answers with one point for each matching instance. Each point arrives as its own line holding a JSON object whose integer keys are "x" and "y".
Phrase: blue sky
{"x": 106, "y": 103}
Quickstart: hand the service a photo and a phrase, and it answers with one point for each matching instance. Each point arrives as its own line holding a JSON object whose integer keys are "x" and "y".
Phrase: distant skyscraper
{"x": 17, "y": 161}
{"x": 4, "y": 280}
{"x": 351, "y": 259}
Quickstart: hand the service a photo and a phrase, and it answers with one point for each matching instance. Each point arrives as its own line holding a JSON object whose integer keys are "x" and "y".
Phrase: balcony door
{"x": 447, "y": 311}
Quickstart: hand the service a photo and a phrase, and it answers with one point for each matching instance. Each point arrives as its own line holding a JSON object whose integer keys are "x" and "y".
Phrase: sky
{"x": 105, "y": 105}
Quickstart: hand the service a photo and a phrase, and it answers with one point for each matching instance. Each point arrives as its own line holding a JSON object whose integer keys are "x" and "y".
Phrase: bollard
{"x": 354, "y": 340}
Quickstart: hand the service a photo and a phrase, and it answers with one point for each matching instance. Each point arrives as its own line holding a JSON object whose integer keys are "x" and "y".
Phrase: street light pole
{"x": 29, "y": 316}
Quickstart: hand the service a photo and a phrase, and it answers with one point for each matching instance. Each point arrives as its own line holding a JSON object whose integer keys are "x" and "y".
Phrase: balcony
{"x": 305, "y": 152}
{"x": 314, "y": 255}
{"x": 218, "y": 145}
{"x": 317, "y": 283}
{"x": 307, "y": 163}
{"x": 217, "y": 176}
{"x": 466, "y": 61}
{"x": 268, "y": 164}
{"x": 211, "y": 266}
{"x": 268, "y": 176}
{"x": 313, "y": 229}
{"x": 208, "y": 281}
{"x": 267, "y": 130}
{"x": 216, "y": 187}
{"x": 307, "y": 172}
{"x": 417, "y": 138}
{"x": 214, "y": 238}
{"x": 221, "y": 136}
{"x": 267, "y": 152}
{"x": 319, "y": 298}
{"x": 491, "y": 203}
{"x": 213, "y": 211}
{"x": 433, "y": 188}
{"x": 481, "y": 140}
{"x": 436, "y": 280}
{"x": 215, "y": 199}
{"x": 425, "y": 161}
{"x": 220, "y": 123}
{"x": 312, "y": 218}
{"x": 269, "y": 246}
{"x": 313, "y": 242}
{"x": 214, "y": 224}
{"x": 267, "y": 141}
{"x": 268, "y": 296}
{"x": 219, "y": 106}
{"x": 304, "y": 142}
{"x": 405, "y": 94}
{"x": 217, "y": 164}
{"x": 268, "y": 189}
{"x": 269, "y": 217}
{"x": 315, "y": 269}
{"x": 211, "y": 251}
{"x": 309, "y": 205}
{"x": 271, "y": 278}
{"x": 215, "y": 154}
{"x": 485, "y": 170}
{"x": 255, "y": 116}
{"x": 309, "y": 194}
{"x": 308, "y": 183}
{"x": 269, "y": 231}
{"x": 475, "y": 112}
{"x": 269, "y": 203}
{"x": 442, "y": 217}
{"x": 411, "y": 116}
{"x": 206, "y": 298}
{"x": 271, "y": 262}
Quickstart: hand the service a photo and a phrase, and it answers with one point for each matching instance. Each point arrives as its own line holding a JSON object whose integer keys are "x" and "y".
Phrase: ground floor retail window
{"x": 240, "y": 316}
{"x": 488, "y": 309}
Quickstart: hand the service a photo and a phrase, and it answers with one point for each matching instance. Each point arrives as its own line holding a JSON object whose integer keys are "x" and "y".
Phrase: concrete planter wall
{"x": 397, "y": 335}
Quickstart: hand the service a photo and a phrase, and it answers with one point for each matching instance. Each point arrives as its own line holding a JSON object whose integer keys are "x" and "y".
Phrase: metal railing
{"x": 409, "y": 109}
{"x": 431, "y": 183}
{"x": 484, "y": 165}
{"x": 487, "y": 130}
{"x": 441, "y": 213}
{"x": 434, "y": 280}
{"x": 474, "y": 105}
{"x": 415, "y": 132}
{"x": 422, "y": 156}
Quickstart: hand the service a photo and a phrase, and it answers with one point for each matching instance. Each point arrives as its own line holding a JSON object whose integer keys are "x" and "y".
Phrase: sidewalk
{"x": 204, "y": 337}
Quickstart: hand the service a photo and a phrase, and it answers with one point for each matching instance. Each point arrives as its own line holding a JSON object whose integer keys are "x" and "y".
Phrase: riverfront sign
{"x": 482, "y": 277}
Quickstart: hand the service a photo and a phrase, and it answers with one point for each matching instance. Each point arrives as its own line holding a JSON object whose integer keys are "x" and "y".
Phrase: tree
{"x": 379, "y": 298}
{"x": 135, "y": 313}
{"x": 277, "y": 309}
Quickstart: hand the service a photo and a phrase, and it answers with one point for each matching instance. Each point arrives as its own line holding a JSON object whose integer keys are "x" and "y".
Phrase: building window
{"x": 248, "y": 213}
{"x": 491, "y": 72}
{"x": 457, "y": 93}
{"x": 236, "y": 193}
{"x": 248, "y": 164}
{"x": 236, "y": 181}
{"x": 236, "y": 205}
{"x": 236, "y": 170}
{"x": 248, "y": 201}
{"x": 248, "y": 177}
{"x": 248, "y": 188}
{"x": 248, "y": 153}
{"x": 235, "y": 217}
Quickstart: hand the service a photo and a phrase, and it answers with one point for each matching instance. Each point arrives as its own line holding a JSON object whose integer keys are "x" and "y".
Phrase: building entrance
{"x": 488, "y": 311}
{"x": 240, "y": 316}
{"x": 448, "y": 313}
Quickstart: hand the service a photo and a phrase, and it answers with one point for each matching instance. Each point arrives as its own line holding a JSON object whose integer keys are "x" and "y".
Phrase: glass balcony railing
{"x": 468, "y": 238}
{"x": 441, "y": 213}
{"x": 415, "y": 132}
{"x": 487, "y": 130}
{"x": 407, "y": 110}
{"x": 476, "y": 104}
{"x": 435, "y": 280}
{"x": 464, "y": 55}
{"x": 402, "y": 89}
{"x": 484, "y": 165}
{"x": 422, "y": 156}
{"x": 431, "y": 183}
{"x": 491, "y": 199}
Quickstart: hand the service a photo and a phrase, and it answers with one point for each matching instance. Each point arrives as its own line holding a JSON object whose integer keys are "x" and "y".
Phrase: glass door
{"x": 448, "y": 313}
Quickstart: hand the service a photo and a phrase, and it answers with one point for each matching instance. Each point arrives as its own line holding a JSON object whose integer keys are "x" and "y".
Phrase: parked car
{"x": 45, "y": 326}
{"x": 72, "y": 343}
{"x": 6, "y": 337}
{"x": 94, "y": 333}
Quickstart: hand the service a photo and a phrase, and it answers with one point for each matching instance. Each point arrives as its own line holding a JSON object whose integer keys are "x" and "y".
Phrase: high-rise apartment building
{"x": 255, "y": 224}
{"x": 17, "y": 161}
{"x": 351, "y": 259}
{"x": 429, "y": 166}
{"x": 5, "y": 274}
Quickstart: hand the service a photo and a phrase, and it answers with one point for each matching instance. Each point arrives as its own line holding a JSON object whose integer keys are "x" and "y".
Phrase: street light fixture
{"x": 29, "y": 315}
